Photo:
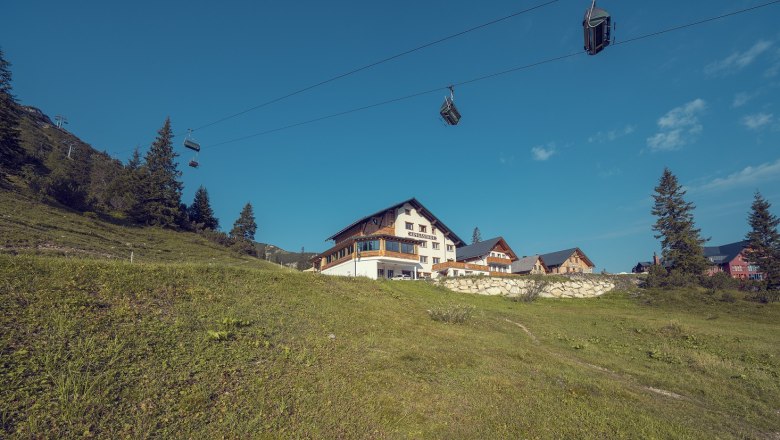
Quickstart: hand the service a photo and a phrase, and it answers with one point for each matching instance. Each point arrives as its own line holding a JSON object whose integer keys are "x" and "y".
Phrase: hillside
{"x": 112, "y": 350}
{"x": 28, "y": 226}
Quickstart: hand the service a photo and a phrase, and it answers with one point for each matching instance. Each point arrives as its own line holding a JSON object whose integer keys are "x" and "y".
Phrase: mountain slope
{"x": 28, "y": 226}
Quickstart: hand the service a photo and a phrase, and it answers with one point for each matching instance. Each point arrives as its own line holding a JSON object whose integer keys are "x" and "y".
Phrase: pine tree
{"x": 245, "y": 227}
{"x": 764, "y": 247}
{"x": 681, "y": 243}
{"x": 162, "y": 188}
{"x": 302, "y": 263}
{"x": 200, "y": 211}
{"x": 11, "y": 153}
{"x": 476, "y": 237}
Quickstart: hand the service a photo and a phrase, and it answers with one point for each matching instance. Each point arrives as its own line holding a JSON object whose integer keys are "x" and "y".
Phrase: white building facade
{"x": 403, "y": 240}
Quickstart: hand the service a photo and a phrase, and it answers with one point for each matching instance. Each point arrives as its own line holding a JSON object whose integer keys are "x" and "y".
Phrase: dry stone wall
{"x": 574, "y": 287}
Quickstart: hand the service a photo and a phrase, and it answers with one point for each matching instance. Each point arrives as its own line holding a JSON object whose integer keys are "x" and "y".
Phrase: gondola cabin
{"x": 449, "y": 112}
{"x": 194, "y": 163}
{"x": 597, "y": 26}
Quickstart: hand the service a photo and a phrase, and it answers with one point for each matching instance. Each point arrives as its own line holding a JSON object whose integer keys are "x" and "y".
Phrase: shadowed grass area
{"x": 118, "y": 350}
{"x": 28, "y": 226}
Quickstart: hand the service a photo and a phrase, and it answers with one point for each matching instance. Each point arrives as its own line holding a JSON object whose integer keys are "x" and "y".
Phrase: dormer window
{"x": 408, "y": 211}
{"x": 423, "y": 228}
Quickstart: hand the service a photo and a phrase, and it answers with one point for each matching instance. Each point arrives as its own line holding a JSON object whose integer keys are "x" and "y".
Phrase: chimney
{"x": 656, "y": 261}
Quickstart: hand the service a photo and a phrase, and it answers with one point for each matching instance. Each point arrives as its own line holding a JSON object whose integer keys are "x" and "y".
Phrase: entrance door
{"x": 390, "y": 273}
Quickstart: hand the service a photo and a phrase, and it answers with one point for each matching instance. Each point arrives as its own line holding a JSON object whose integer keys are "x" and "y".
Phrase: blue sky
{"x": 565, "y": 154}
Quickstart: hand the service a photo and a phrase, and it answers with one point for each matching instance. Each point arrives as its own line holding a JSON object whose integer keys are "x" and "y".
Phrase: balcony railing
{"x": 497, "y": 260}
{"x": 459, "y": 265}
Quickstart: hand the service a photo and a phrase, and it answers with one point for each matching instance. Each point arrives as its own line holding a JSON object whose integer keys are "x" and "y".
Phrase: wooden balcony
{"x": 458, "y": 265}
{"x": 501, "y": 261}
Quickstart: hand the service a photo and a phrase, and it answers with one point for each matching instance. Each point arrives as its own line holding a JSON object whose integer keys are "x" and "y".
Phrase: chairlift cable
{"x": 492, "y": 75}
{"x": 376, "y": 63}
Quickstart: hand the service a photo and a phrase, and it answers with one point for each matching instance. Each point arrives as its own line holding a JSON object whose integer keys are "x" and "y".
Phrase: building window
{"x": 408, "y": 211}
{"x": 380, "y": 273}
{"x": 410, "y": 226}
{"x": 424, "y": 244}
{"x": 433, "y": 230}
{"x": 753, "y": 268}
{"x": 450, "y": 248}
{"x": 392, "y": 246}
{"x": 435, "y": 245}
{"x": 737, "y": 268}
{"x": 455, "y": 272}
{"x": 423, "y": 259}
{"x": 371, "y": 245}
{"x": 423, "y": 228}
{"x": 436, "y": 260}
{"x": 407, "y": 248}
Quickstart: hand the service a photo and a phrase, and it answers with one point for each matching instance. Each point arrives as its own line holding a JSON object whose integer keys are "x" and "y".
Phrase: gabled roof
{"x": 557, "y": 258}
{"x": 525, "y": 264}
{"x": 422, "y": 210}
{"x": 481, "y": 248}
{"x": 724, "y": 254}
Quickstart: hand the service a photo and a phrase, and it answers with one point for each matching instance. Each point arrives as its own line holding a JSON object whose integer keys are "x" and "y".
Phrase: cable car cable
{"x": 492, "y": 75}
{"x": 375, "y": 63}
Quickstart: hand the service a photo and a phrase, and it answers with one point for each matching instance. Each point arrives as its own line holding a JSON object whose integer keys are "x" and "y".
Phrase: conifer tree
{"x": 764, "y": 241}
{"x": 161, "y": 185}
{"x": 245, "y": 227}
{"x": 476, "y": 236}
{"x": 200, "y": 211}
{"x": 11, "y": 153}
{"x": 681, "y": 243}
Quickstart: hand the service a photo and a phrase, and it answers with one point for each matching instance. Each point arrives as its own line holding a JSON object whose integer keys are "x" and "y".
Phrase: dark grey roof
{"x": 476, "y": 249}
{"x": 525, "y": 264}
{"x": 724, "y": 254}
{"x": 557, "y": 258}
{"x": 420, "y": 208}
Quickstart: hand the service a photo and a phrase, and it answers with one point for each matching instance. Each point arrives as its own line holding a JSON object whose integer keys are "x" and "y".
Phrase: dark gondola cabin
{"x": 194, "y": 163}
{"x": 597, "y": 26}
{"x": 448, "y": 112}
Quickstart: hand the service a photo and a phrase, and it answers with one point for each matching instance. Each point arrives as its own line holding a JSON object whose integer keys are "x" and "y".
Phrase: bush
{"x": 532, "y": 292}
{"x": 457, "y": 314}
{"x": 659, "y": 277}
{"x": 217, "y": 237}
{"x": 728, "y": 297}
{"x": 719, "y": 281}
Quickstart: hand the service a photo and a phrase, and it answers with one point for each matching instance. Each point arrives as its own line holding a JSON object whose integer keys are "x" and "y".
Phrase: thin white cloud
{"x": 678, "y": 126}
{"x": 611, "y": 135}
{"x": 758, "y": 120}
{"x": 741, "y": 99}
{"x": 774, "y": 69}
{"x": 541, "y": 153}
{"x": 748, "y": 176}
{"x": 738, "y": 60}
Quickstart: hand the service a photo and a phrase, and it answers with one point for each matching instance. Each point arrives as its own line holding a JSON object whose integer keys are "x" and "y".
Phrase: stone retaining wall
{"x": 582, "y": 286}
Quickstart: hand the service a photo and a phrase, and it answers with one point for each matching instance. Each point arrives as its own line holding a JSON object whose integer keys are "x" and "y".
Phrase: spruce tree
{"x": 681, "y": 243}
{"x": 200, "y": 211}
{"x": 476, "y": 237}
{"x": 764, "y": 241}
{"x": 11, "y": 153}
{"x": 162, "y": 188}
{"x": 245, "y": 227}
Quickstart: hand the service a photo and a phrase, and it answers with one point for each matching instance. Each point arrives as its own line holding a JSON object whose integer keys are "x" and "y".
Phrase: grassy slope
{"x": 28, "y": 226}
{"x": 109, "y": 349}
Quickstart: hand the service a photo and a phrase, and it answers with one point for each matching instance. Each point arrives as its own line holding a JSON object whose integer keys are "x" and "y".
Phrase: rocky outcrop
{"x": 573, "y": 287}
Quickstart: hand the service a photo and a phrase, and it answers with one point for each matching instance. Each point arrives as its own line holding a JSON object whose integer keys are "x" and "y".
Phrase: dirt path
{"x": 626, "y": 380}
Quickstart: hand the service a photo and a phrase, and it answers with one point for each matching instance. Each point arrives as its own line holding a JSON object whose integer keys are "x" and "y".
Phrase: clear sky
{"x": 561, "y": 155}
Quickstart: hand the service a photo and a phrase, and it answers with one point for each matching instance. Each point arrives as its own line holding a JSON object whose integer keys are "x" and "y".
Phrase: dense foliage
{"x": 681, "y": 243}
{"x": 764, "y": 241}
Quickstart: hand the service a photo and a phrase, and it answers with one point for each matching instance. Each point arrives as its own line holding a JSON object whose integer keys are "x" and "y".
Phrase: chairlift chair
{"x": 597, "y": 27}
{"x": 448, "y": 111}
{"x": 194, "y": 146}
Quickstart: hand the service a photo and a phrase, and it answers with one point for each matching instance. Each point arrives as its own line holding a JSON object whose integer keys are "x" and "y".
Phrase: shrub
{"x": 728, "y": 297}
{"x": 217, "y": 237}
{"x": 532, "y": 292}
{"x": 457, "y": 314}
{"x": 719, "y": 281}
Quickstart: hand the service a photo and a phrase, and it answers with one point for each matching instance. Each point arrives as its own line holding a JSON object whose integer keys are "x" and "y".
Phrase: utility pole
{"x": 70, "y": 148}
{"x": 60, "y": 120}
